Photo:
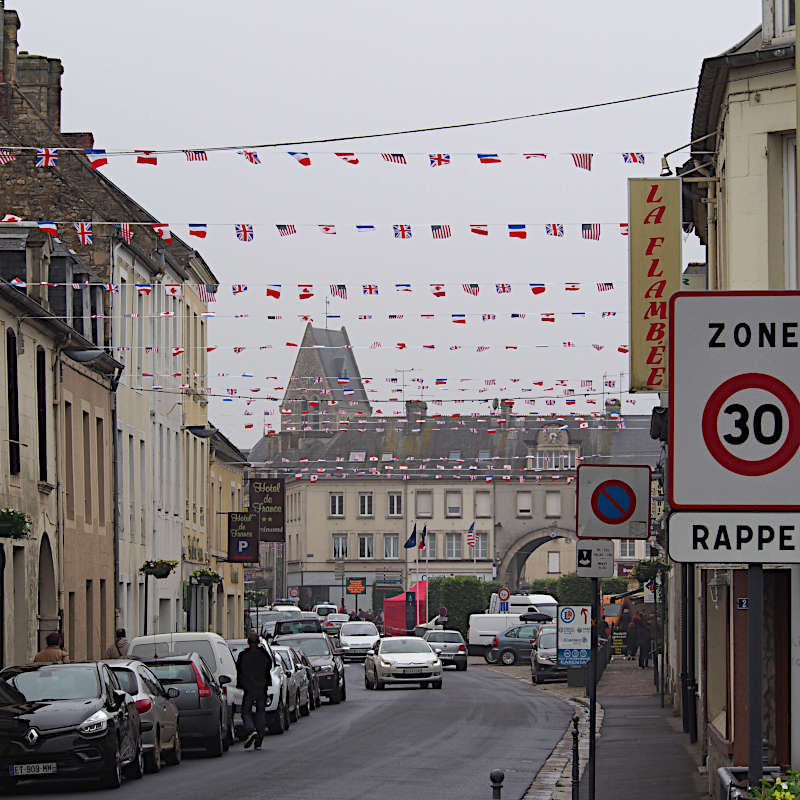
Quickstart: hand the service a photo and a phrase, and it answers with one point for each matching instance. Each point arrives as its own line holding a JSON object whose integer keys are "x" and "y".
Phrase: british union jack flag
{"x": 244, "y": 233}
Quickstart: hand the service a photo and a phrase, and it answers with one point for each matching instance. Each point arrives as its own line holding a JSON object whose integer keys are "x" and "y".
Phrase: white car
{"x": 402, "y": 659}
{"x": 357, "y": 639}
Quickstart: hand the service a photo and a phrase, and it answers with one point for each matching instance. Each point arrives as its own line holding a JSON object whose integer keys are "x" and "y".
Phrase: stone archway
{"x": 513, "y": 561}
{"x": 47, "y": 611}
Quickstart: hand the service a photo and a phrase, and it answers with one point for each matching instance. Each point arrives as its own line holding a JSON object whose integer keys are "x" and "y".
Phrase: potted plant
{"x": 160, "y": 568}
{"x": 14, "y": 523}
{"x": 777, "y": 787}
{"x": 206, "y": 576}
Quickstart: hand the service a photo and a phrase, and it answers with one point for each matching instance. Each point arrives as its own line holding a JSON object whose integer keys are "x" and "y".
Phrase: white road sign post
{"x": 734, "y": 435}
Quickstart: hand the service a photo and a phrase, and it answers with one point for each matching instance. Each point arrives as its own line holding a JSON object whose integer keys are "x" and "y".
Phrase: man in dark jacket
{"x": 253, "y": 676}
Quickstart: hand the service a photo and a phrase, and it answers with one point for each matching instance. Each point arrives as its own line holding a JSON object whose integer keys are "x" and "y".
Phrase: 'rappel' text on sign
{"x": 765, "y": 537}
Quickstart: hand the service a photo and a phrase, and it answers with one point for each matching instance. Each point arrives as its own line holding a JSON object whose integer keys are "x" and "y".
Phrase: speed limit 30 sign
{"x": 734, "y": 400}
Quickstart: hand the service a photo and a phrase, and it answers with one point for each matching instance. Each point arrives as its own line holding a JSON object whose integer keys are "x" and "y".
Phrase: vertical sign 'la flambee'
{"x": 654, "y": 205}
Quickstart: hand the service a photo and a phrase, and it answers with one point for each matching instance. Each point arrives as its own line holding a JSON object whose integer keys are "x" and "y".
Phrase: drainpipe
{"x": 115, "y": 455}
{"x": 60, "y": 513}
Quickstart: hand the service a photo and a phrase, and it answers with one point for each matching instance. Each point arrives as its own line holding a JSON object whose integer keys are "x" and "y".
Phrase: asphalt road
{"x": 395, "y": 744}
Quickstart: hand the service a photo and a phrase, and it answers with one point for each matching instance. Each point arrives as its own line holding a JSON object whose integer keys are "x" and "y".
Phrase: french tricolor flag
{"x": 459, "y": 319}
{"x": 97, "y": 158}
{"x": 517, "y": 231}
{"x": 48, "y": 227}
{"x": 302, "y": 158}
{"x": 199, "y": 231}
{"x": 489, "y": 158}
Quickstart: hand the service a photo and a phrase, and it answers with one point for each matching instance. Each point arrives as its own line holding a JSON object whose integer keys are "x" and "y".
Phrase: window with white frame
{"x": 391, "y": 545}
{"x": 524, "y": 504}
{"x": 790, "y": 212}
{"x": 453, "y": 543}
{"x": 365, "y": 546}
{"x": 482, "y": 545}
{"x": 552, "y": 504}
{"x": 554, "y": 561}
{"x": 452, "y": 503}
{"x": 627, "y": 548}
{"x": 548, "y": 458}
{"x": 430, "y": 545}
{"x": 395, "y": 504}
{"x": 778, "y": 21}
{"x": 336, "y": 504}
{"x": 424, "y": 502}
{"x": 483, "y": 504}
{"x": 365, "y": 504}
{"x": 339, "y": 546}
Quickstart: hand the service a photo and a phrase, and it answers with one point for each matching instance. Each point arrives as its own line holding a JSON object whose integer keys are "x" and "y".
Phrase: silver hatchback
{"x": 402, "y": 659}
{"x": 158, "y": 714}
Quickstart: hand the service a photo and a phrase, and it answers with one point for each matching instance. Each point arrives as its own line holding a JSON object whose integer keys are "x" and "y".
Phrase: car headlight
{"x": 326, "y": 669}
{"x": 97, "y": 723}
{"x": 345, "y": 647}
{"x": 386, "y": 664}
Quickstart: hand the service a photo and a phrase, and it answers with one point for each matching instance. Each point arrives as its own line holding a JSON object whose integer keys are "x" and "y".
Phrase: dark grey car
{"x": 201, "y": 705}
{"x": 451, "y": 646}
{"x": 513, "y": 644}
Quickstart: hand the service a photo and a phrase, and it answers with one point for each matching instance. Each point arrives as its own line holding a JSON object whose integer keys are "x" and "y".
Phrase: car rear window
{"x": 168, "y": 673}
{"x": 444, "y": 636}
{"x": 547, "y": 641}
{"x": 311, "y": 647}
{"x": 176, "y": 647}
{"x": 127, "y": 680}
{"x": 298, "y": 626}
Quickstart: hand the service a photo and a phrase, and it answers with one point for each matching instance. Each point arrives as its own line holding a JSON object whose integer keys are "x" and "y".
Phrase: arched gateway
{"x": 512, "y": 562}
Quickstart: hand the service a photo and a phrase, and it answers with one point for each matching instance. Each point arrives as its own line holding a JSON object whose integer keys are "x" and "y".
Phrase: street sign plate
{"x": 504, "y": 606}
{"x": 734, "y": 422}
{"x": 613, "y": 501}
{"x": 503, "y": 594}
{"x": 574, "y": 635}
{"x": 595, "y": 558}
{"x": 734, "y": 537}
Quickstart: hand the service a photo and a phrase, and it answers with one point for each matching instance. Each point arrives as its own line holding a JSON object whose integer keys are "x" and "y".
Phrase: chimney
{"x": 416, "y": 410}
{"x": 9, "y": 25}
{"x": 39, "y": 79}
{"x": 84, "y": 140}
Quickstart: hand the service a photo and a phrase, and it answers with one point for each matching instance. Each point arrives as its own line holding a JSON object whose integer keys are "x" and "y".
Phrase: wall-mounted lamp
{"x": 665, "y": 168}
{"x": 717, "y": 582}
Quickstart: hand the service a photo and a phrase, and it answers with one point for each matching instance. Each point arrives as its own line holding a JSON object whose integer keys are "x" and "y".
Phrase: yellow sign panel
{"x": 654, "y": 206}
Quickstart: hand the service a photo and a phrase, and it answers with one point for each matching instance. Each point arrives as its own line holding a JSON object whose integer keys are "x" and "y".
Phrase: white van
{"x": 522, "y": 603}
{"x": 482, "y": 628}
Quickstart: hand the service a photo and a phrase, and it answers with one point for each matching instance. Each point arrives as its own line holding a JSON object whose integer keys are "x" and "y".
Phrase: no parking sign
{"x": 613, "y": 501}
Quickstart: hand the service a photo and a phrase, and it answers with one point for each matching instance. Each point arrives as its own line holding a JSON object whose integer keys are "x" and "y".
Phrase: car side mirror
{"x": 224, "y": 679}
{"x": 370, "y": 652}
{"x": 172, "y": 692}
{"x": 117, "y": 698}
{"x": 437, "y": 650}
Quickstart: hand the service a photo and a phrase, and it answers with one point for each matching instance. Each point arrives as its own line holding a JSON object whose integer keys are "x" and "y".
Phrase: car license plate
{"x": 17, "y": 770}
{"x": 414, "y": 670}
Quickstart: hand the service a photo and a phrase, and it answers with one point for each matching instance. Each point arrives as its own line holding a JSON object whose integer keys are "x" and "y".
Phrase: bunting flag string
{"x": 245, "y": 232}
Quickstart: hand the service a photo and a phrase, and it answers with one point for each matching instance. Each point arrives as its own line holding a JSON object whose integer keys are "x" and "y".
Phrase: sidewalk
{"x": 641, "y": 749}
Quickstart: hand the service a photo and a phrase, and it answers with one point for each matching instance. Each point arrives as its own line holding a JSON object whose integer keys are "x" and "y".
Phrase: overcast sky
{"x": 197, "y": 74}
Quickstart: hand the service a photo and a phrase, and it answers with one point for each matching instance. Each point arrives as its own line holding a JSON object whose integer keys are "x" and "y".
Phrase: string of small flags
{"x": 48, "y": 157}
{"x": 245, "y": 232}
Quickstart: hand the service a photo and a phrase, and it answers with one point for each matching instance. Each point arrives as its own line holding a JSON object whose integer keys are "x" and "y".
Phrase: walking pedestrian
{"x": 632, "y": 641}
{"x": 253, "y": 676}
{"x": 643, "y": 636}
{"x": 52, "y": 654}
{"x": 121, "y": 644}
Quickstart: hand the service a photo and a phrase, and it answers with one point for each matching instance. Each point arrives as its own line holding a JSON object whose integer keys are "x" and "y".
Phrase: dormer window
{"x": 778, "y": 21}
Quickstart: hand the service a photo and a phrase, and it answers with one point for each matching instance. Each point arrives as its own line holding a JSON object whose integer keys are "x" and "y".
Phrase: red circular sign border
{"x": 501, "y": 592}
{"x": 599, "y": 514}
{"x": 718, "y": 451}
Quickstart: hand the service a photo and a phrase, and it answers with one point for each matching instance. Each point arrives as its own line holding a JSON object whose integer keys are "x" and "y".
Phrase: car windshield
{"x": 359, "y": 629}
{"x": 176, "y": 647}
{"x": 323, "y": 611}
{"x": 127, "y": 679}
{"x": 168, "y": 673}
{"x": 50, "y": 683}
{"x": 312, "y": 647}
{"x": 389, "y": 646}
{"x": 297, "y": 626}
{"x": 444, "y": 636}
{"x": 338, "y": 617}
{"x": 547, "y": 641}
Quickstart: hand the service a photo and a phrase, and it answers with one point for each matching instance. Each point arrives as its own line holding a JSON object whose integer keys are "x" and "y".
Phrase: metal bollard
{"x": 576, "y": 769}
{"x": 497, "y": 776}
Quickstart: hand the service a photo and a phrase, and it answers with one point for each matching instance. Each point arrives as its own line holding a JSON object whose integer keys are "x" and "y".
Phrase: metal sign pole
{"x": 755, "y": 593}
{"x": 593, "y": 684}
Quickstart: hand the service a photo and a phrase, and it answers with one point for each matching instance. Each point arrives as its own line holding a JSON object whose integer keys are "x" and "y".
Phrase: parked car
{"x": 357, "y": 638}
{"x": 288, "y": 605}
{"x": 313, "y": 680}
{"x": 402, "y": 659}
{"x": 333, "y": 622}
{"x": 202, "y": 708}
{"x": 297, "y": 625}
{"x": 325, "y": 659}
{"x": 297, "y": 686}
{"x": 158, "y": 714}
{"x": 452, "y": 646}
{"x": 277, "y": 703}
{"x": 67, "y": 721}
{"x": 482, "y": 629}
{"x": 213, "y": 649}
{"x": 513, "y": 644}
{"x": 544, "y": 660}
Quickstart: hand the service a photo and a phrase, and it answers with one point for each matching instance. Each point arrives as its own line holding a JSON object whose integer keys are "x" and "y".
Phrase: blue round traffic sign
{"x": 613, "y": 502}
